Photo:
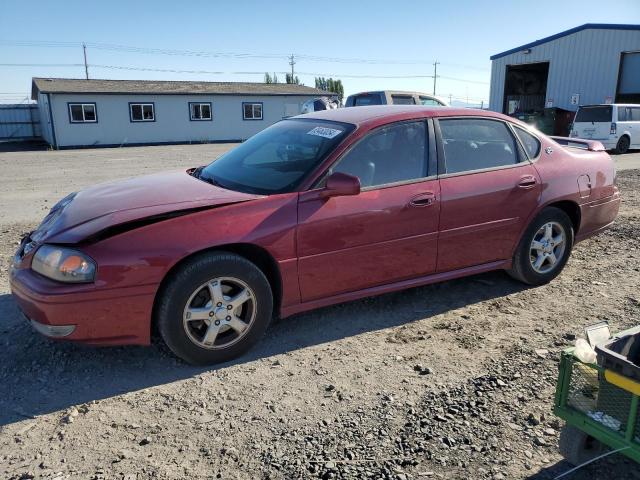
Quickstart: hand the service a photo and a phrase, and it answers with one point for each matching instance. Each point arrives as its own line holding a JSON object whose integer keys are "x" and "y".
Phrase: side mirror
{"x": 341, "y": 184}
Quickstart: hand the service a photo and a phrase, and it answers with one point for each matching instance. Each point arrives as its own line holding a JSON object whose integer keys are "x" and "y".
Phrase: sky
{"x": 357, "y": 42}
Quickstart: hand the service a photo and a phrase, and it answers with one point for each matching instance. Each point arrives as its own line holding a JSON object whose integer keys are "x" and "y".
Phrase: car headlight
{"x": 63, "y": 264}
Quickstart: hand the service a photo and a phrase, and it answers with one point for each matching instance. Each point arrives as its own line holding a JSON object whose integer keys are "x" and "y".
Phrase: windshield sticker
{"x": 324, "y": 132}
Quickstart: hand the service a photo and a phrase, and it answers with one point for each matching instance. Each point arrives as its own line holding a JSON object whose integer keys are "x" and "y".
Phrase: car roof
{"x": 393, "y": 92}
{"x": 383, "y": 113}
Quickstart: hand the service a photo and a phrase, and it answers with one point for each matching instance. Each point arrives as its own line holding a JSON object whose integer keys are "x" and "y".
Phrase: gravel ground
{"x": 454, "y": 380}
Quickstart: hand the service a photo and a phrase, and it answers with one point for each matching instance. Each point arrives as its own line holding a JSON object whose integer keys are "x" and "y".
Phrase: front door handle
{"x": 528, "y": 181}
{"x": 423, "y": 199}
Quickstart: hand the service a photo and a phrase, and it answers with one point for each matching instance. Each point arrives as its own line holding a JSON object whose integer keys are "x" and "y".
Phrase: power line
{"x": 207, "y": 72}
{"x": 172, "y": 70}
{"x": 177, "y": 52}
{"x": 41, "y": 64}
{"x": 455, "y": 79}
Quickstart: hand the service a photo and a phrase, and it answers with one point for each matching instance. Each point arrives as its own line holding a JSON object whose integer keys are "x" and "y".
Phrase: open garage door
{"x": 525, "y": 88}
{"x": 629, "y": 78}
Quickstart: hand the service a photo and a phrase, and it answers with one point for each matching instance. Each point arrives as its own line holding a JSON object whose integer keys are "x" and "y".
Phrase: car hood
{"x": 101, "y": 207}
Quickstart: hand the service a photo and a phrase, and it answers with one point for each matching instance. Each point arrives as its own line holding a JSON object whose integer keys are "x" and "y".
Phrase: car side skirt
{"x": 392, "y": 287}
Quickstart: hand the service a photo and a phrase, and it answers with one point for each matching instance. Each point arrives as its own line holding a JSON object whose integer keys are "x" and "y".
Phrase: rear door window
{"x": 403, "y": 100}
{"x": 635, "y": 114}
{"x": 368, "y": 99}
{"x": 476, "y": 144}
{"x": 596, "y": 114}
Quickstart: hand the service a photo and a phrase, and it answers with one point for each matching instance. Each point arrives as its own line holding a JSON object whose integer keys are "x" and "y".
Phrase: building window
{"x": 252, "y": 111}
{"x": 142, "y": 112}
{"x": 82, "y": 113}
{"x": 200, "y": 111}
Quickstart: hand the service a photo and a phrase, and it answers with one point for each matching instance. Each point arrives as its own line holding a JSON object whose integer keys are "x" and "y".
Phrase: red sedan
{"x": 315, "y": 210}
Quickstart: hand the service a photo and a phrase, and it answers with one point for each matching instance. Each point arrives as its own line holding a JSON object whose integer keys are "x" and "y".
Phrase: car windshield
{"x": 594, "y": 114}
{"x": 277, "y": 159}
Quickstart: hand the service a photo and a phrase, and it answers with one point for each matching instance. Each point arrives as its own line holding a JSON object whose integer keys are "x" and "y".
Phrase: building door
{"x": 629, "y": 78}
{"x": 525, "y": 88}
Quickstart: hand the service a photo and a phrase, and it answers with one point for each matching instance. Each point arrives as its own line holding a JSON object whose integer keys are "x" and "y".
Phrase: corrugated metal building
{"x": 75, "y": 112}
{"x": 590, "y": 64}
{"x": 19, "y": 122}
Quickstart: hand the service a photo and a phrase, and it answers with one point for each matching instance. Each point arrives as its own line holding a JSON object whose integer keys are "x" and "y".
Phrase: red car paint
{"x": 323, "y": 250}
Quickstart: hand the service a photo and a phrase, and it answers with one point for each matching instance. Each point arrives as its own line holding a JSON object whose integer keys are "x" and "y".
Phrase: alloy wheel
{"x": 547, "y": 247}
{"x": 219, "y": 313}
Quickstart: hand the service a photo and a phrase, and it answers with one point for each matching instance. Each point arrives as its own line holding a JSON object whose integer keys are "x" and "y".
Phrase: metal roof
{"x": 160, "y": 87}
{"x": 586, "y": 26}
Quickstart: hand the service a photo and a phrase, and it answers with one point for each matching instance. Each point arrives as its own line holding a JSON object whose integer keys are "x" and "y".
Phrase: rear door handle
{"x": 527, "y": 181}
{"x": 423, "y": 199}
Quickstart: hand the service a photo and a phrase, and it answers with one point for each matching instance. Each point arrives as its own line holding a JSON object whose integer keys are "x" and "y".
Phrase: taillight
{"x": 613, "y": 128}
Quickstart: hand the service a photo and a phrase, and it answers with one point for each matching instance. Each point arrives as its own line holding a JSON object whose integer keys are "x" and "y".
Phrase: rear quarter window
{"x": 531, "y": 144}
{"x": 594, "y": 114}
{"x": 431, "y": 102}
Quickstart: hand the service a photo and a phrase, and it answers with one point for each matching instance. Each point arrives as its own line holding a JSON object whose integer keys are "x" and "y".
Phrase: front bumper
{"x": 84, "y": 313}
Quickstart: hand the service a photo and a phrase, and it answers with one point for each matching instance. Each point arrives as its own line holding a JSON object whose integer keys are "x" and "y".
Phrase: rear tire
{"x": 544, "y": 248}
{"x": 623, "y": 145}
{"x": 577, "y": 447}
{"x": 214, "y": 308}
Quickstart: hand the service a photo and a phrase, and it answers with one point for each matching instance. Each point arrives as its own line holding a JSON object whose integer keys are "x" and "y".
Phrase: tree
{"x": 291, "y": 79}
{"x": 270, "y": 79}
{"x": 331, "y": 85}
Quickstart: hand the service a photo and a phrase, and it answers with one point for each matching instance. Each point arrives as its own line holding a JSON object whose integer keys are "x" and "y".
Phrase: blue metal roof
{"x": 586, "y": 26}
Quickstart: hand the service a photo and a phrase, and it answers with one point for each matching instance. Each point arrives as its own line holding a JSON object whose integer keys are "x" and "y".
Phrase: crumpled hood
{"x": 109, "y": 204}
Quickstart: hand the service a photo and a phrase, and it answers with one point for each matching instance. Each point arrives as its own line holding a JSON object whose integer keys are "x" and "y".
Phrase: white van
{"x": 616, "y": 126}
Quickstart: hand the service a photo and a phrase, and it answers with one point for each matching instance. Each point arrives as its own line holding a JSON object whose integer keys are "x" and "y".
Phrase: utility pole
{"x": 435, "y": 75}
{"x": 292, "y": 63}
{"x": 450, "y": 99}
{"x": 86, "y": 67}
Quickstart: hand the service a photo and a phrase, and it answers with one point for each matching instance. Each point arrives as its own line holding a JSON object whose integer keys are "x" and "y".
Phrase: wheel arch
{"x": 252, "y": 252}
{"x": 572, "y": 209}
{"x": 624, "y": 134}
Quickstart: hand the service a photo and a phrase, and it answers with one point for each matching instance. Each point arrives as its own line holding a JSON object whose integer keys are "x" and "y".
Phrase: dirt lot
{"x": 442, "y": 381}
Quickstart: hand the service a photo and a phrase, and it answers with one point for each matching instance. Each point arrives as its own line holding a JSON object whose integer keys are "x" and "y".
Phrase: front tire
{"x": 544, "y": 248}
{"x": 214, "y": 308}
{"x": 623, "y": 145}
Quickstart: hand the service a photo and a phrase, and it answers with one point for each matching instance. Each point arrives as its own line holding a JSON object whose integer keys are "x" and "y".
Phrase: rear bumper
{"x": 98, "y": 317}
{"x": 598, "y": 215}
